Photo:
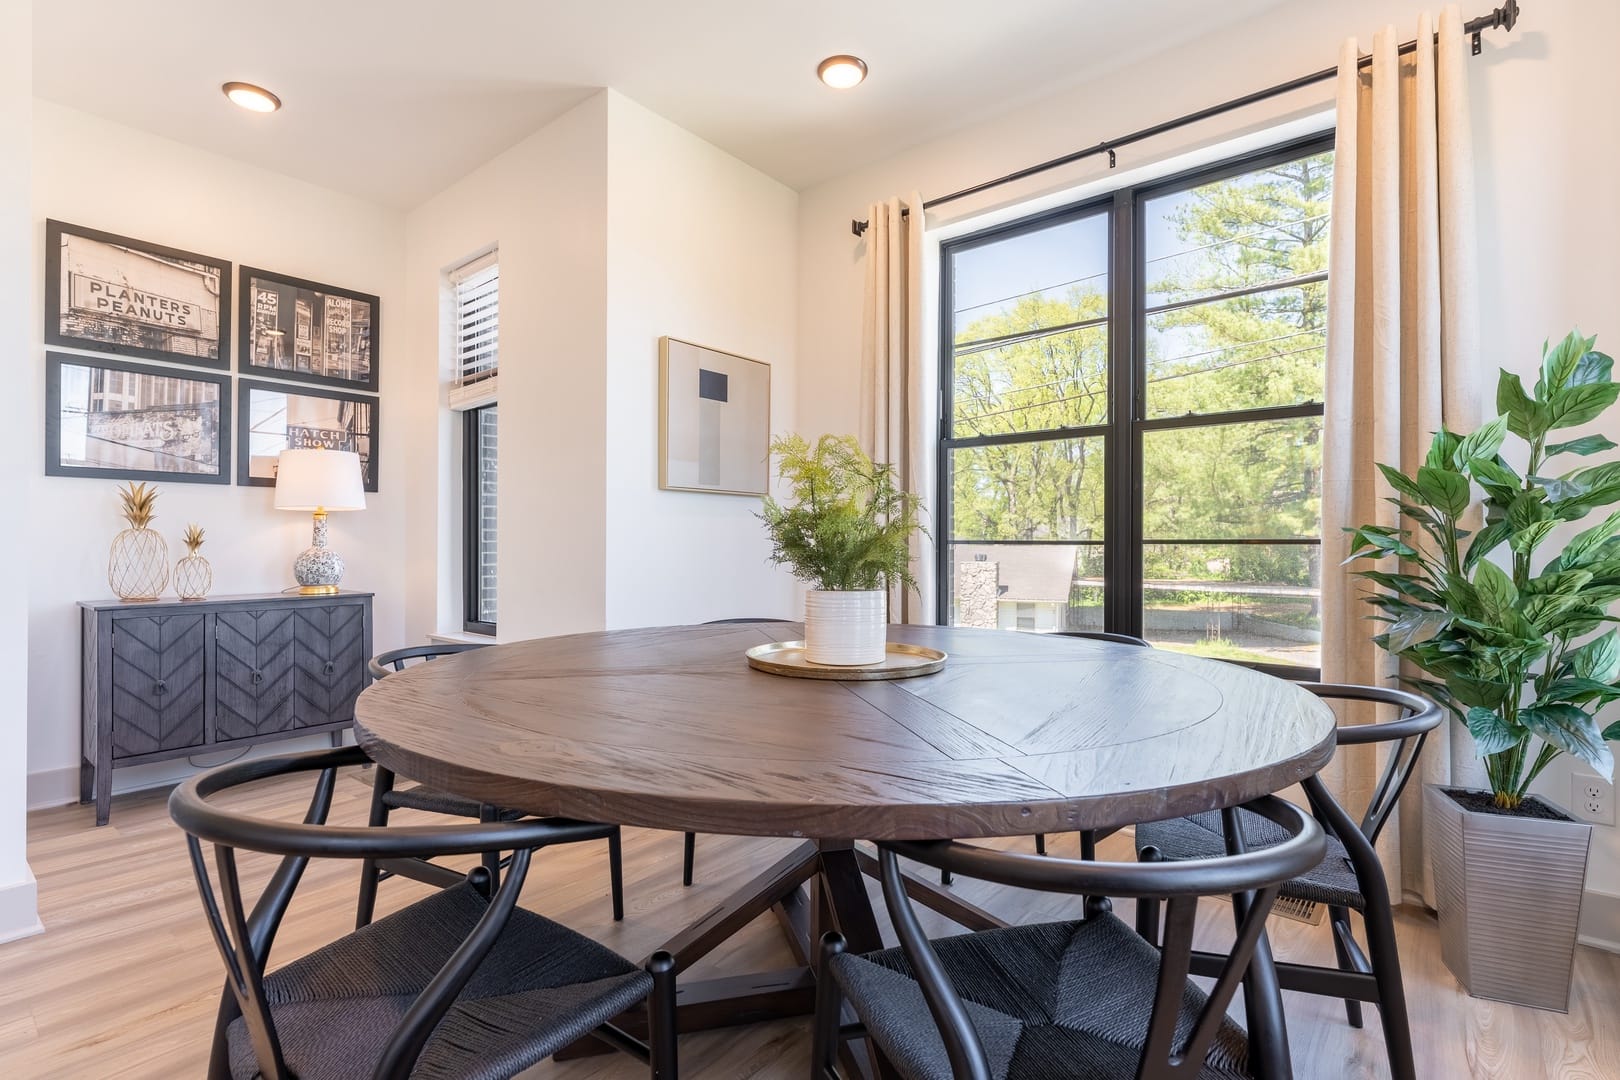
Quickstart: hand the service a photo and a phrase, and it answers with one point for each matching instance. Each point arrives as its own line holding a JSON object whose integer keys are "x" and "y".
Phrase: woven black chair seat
{"x": 541, "y": 987}
{"x": 1057, "y": 1001}
{"x": 434, "y": 801}
{"x": 1332, "y": 882}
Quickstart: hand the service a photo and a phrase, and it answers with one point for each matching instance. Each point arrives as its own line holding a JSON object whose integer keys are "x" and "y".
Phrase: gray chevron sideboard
{"x": 172, "y": 678}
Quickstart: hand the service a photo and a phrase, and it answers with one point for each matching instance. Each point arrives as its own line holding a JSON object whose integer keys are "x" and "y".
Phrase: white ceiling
{"x": 392, "y": 100}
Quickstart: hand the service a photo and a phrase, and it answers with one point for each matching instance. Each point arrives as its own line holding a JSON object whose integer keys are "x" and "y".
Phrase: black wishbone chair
{"x": 1083, "y": 999}
{"x": 1348, "y": 877}
{"x": 386, "y": 798}
{"x": 689, "y": 845}
{"x": 1088, "y": 839}
{"x": 463, "y": 983}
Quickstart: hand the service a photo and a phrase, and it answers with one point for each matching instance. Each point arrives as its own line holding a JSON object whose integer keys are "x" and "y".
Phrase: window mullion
{"x": 1122, "y": 550}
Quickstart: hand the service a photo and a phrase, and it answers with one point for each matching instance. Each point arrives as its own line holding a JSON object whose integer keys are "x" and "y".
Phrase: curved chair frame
{"x": 1250, "y": 877}
{"x": 372, "y": 871}
{"x": 244, "y": 939}
{"x": 1357, "y": 978}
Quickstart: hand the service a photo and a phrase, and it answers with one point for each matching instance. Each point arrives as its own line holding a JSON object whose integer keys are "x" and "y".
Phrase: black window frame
{"x": 1127, "y": 419}
{"x": 471, "y": 515}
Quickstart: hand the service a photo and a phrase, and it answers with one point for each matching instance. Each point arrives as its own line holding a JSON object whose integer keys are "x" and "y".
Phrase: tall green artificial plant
{"x": 1504, "y": 646}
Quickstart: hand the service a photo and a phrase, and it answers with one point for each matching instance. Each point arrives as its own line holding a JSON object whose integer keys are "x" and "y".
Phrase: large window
{"x": 475, "y": 298}
{"x": 1131, "y": 433}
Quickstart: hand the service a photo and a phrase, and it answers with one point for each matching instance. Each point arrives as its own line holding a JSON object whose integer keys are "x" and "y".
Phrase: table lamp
{"x": 319, "y": 481}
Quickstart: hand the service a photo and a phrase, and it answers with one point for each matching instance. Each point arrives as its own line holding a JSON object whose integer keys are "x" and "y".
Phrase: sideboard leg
{"x": 103, "y": 795}
{"x": 87, "y": 781}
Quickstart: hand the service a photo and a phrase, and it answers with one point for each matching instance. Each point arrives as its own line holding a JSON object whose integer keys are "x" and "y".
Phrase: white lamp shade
{"x": 318, "y": 479}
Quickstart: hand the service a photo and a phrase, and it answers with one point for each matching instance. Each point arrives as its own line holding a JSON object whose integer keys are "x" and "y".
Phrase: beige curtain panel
{"x": 1401, "y": 357}
{"x": 896, "y": 383}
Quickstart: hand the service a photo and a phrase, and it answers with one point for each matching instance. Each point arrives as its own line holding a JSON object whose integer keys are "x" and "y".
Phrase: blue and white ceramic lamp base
{"x": 318, "y": 568}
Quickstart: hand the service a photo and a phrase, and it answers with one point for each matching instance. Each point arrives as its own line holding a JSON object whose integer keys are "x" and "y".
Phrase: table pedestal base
{"x": 834, "y": 871}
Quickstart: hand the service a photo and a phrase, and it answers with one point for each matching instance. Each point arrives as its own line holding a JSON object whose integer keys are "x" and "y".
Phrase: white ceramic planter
{"x": 845, "y": 629}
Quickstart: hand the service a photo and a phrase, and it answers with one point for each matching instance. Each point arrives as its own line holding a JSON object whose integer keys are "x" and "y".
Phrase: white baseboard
{"x": 52, "y": 787}
{"x": 60, "y": 787}
{"x": 19, "y": 909}
{"x": 1600, "y": 921}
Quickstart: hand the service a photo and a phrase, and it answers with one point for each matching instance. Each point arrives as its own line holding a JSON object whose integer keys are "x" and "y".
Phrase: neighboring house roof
{"x": 1038, "y": 573}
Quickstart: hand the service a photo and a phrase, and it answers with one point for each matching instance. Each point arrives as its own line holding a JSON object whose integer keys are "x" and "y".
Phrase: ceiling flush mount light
{"x": 841, "y": 72}
{"x": 252, "y": 98}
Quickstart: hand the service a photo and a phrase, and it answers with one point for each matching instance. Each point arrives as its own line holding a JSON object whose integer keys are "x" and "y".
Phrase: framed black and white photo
{"x": 272, "y": 417}
{"x": 115, "y": 420}
{"x": 113, "y": 294}
{"x": 307, "y": 332}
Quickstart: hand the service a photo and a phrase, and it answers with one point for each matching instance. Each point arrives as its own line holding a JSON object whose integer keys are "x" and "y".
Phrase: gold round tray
{"x": 902, "y": 662}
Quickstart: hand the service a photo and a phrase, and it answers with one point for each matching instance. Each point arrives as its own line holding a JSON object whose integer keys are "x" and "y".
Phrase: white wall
{"x": 614, "y": 227}
{"x": 1547, "y": 146}
{"x": 96, "y": 173}
{"x": 18, "y": 418}
{"x": 700, "y": 247}
{"x": 544, "y": 203}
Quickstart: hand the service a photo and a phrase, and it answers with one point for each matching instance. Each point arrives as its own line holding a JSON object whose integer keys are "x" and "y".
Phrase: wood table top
{"x": 670, "y": 728}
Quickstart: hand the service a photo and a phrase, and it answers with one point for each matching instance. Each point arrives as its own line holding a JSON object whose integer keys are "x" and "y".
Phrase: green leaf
{"x": 1526, "y": 540}
{"x": 1593, "y": 367}
{"x": 1400, "y": 481}
{"x": 1488, "y": 540}
{"x": 1571, "y": 730}
{"x": 1526, "y": 418}
{"x": 1559, "y": 362}
{"x": 1494, "y": 472}
{"x": 1405, "y": 584}
{"x": 1546, "y": 611}
{"x": 1442, "y": 449}
{"x": 1577, "y": 691}
{"x": 1598, "y": 659}
{"x": 1497, "y": 596}
{"x": 1612, "y": 732}
{"x": 1578, "y": 405}
{"x": 1483, "y": 443}
{"x": 1376, "y": 541}
{"x": 1586, "y": 444}
{"x": 1444, "y": 490}
{"x": 1491, "y": 733}
{"x": 1561, "y": 583}
{"x": 1414, "y": 628}
{"x": 1481, "y": 693}
{"x": 1588, "y": 543}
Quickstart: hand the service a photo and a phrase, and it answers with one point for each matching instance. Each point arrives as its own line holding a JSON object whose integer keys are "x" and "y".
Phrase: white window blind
{"x": 476, "y": 295}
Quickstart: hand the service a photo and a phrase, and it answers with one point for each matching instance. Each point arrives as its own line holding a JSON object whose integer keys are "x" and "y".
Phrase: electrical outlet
{"x": 1591, "y": 798}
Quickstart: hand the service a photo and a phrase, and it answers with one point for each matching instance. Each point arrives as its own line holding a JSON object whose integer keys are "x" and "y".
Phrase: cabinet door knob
{"x": 330, "y": 667}
{"x": 161, "y": 687}
{"x": 258, "y": 677}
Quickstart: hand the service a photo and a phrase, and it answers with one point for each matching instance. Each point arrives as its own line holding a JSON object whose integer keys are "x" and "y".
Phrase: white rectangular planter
{"x": 846, "y": 628}
{"x": 1508, "y": 890}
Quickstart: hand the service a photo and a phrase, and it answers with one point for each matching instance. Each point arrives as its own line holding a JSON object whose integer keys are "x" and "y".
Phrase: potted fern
{"x": 1500, "y": 628}
{"x": 847, "y": 535}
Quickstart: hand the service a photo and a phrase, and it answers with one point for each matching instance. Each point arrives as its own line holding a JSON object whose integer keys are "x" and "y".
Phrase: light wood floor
{"x": 125, "y": 980}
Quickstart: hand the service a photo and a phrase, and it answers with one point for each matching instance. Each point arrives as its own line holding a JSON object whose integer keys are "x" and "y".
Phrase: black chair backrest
{"x": 1253, "y": 876}
{"x": 1417, "y": 717}
{"x": 244, "y": 939}
{"x": 728, "y": 622}
{"x": 1105, "y": 635}
{"x": 385, "y": 664}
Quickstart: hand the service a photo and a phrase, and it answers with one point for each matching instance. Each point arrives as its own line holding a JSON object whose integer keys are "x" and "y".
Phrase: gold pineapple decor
{"x": 138, "y": 566}
{"x": 193, "y": 577}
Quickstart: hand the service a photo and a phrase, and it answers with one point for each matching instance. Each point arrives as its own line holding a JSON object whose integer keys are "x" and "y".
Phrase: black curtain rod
{"x": 1504, "y": 18}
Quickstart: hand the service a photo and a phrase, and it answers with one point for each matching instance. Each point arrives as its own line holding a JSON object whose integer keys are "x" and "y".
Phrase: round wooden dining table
{"x": 670, "y": 728}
